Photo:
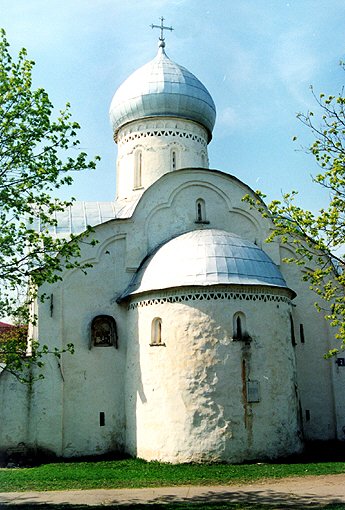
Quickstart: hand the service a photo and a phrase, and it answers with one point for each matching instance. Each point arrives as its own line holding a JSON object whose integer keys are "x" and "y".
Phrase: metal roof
{"x": 203, "y": 258}
{"x": 162, "y": 88}
{"x": 77, "y": 217}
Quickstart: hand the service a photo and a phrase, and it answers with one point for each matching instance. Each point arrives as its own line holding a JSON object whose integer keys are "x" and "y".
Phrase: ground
{"x": 308, "y": 491}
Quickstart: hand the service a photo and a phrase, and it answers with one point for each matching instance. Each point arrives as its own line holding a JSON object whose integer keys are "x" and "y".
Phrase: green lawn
{"x": 138, "y": 473}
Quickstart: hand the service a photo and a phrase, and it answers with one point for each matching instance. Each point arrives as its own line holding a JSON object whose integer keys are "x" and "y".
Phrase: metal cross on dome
{"x": 162, "y": 28}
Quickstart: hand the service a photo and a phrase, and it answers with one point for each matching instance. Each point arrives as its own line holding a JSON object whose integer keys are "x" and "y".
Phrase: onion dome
{"x": 203, "y": 258}
{"x": 162, "y": 88}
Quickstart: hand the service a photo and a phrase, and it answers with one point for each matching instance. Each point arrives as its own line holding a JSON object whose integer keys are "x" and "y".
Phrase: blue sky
{"x": 257, "y": 58}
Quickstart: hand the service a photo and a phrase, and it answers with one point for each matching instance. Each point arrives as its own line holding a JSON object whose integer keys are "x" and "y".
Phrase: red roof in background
{"x": 5, "y": 325}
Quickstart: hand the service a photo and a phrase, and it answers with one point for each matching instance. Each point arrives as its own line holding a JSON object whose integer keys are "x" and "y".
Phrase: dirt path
{"x": 310, "y": 491}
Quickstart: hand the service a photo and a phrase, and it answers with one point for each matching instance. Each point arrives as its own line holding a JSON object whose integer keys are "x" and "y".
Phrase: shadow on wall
{"x": 133, "y": 384}
{"x": 22, "y": 456}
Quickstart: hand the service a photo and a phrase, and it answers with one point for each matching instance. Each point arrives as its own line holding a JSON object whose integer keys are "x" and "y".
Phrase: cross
{"x": 162, "y": 28}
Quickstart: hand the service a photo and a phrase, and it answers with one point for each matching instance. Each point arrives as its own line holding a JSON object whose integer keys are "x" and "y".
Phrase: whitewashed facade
{"x": 186, "y": 347}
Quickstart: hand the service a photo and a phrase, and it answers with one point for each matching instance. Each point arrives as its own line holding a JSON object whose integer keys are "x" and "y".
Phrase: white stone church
{"x": 193, "y": 340}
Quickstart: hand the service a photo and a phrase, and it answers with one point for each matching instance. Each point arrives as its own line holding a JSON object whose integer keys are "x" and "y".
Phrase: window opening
{"x": 156, "y": 331}
{"x": 138, "y": 170}
{"x": 239, "y": 327}
{"x": 307, "y": 415}
{"x": 101, "y": 419}
{"x": 51, "y": 305}
{"x": 173, "y": 160}
{"x": 117, "y": 177}
{"x": 292, "y": 328}
{"x": 200, "y": 211}
{"x": 301, "y": 333}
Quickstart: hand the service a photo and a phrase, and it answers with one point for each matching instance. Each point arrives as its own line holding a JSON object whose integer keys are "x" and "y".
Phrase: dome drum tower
{"x": 149, "y": 148}
{"x": 162, "y": 117}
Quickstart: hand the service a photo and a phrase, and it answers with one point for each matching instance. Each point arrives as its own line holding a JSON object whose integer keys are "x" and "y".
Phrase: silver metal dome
{"x": 203, "y": 258}
{"x": 162, "y": 88}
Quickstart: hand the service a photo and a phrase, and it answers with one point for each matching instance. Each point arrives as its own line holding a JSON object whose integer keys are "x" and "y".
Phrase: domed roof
{"x": 203, "y": 258}
{"x": 162, "y": 88}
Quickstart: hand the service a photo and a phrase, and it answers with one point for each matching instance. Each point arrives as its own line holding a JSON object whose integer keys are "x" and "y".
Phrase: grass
{"x": 136, "y": 473}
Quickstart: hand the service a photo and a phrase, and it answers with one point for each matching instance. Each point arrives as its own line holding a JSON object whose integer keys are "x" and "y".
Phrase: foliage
{"x": 18, "y": 356}
{"x": 319, "y": 238}
{"x": 35, "y": 160}
{"x": 13, "y": 345}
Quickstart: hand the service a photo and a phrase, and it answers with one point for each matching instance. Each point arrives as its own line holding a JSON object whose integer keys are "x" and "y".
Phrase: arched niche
{"x": 103, "y": 332}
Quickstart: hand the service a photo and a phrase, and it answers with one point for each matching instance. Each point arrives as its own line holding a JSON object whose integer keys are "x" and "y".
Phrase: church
{"x": 194, "y": 341}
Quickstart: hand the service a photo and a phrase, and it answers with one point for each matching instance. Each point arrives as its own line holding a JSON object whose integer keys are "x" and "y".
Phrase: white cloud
{"x": 228, "y": 118}
{"x": 297, "y": 61}
{"x": 248, "y": 117}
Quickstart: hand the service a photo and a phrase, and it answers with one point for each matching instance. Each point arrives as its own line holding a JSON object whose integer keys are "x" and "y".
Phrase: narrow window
{"x": 156, "y": 331}
{"x": 138, "y": 170}
{"x": 51, "y": 305}
{"x": 307, "y": 415}
{"x": 292, "y": 329}
{"x": 199, "y": 212}
{"x": 239, "y": 327}
{"x": 101, "y": 419}
{"x": 118, "y": 180}
{"x": 301, "y": 333}
{"x": 173, "y": 160}
{"x": 200, "y": 207}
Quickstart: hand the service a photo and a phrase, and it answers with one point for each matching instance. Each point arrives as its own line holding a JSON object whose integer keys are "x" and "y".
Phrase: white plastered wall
{"x": 185, "y": 400}
{"x": 157, "y": 140}
{"x": 91, "y": 381}
{"x": 64, "y": 409}
{"x": 15, "y": 400}
{"x": 169, "y": 208}
{"x": 320, "y": 381}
